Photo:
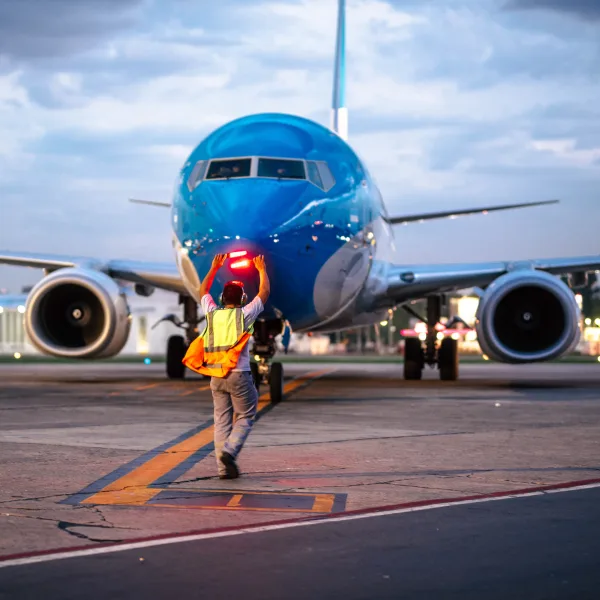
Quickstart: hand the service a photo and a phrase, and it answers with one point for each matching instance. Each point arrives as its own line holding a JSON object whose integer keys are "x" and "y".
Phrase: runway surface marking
{"x": 296, "y": 502}
{"x": 145, "y": 480}
{"x": 163, "y": 386}
{"x": 200, "y": 389}
{"x": 78, "y": 552}
{"x": 147, "y": 387}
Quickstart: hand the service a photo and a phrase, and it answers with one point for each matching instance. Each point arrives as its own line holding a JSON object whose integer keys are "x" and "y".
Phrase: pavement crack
{"x": 96, "y": 509}
{"x": 353, "y": 485}
{"x": 194, "y": 480}
{"x": 366, "y": 439}
{"x": 66, "y": 526}
{"x": 34, "y": 499}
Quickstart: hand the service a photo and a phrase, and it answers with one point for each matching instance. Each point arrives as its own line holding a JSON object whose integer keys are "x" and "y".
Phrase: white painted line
{"x": 180, "y": 539}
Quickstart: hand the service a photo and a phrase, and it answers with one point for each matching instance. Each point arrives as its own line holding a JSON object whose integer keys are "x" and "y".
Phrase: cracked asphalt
{"x": 358, "y": 432}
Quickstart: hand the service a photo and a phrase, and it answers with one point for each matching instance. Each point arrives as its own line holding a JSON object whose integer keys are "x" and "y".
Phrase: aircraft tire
{"x": 255, "y": 375}
{"x": 176, "y": 350}
{"x": 413, "y": 359}
{"x": 276, "y": 383}
{"x": 448, "y": 360}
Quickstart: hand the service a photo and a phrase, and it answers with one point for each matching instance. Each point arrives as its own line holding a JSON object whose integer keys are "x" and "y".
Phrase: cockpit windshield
{"x": 280, "y": 168}
{"x": 227, "y": 169}
{"x": 316, "y": 172}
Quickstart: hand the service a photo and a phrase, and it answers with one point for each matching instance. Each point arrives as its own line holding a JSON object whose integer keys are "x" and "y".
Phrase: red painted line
{"x": 358, "y": 512}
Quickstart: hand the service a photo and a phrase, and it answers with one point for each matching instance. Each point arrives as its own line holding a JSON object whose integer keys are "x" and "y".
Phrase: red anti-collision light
{"x": 240, "y": 264}
{"x": 238, "y": 254}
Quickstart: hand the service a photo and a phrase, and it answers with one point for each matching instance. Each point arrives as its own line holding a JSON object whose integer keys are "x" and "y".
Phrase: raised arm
{"x": 217, "y": 263}
{"x": 264, "y": 288}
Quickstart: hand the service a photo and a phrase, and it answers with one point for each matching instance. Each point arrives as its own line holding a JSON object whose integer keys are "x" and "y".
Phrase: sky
{"x": 453, "y": 104}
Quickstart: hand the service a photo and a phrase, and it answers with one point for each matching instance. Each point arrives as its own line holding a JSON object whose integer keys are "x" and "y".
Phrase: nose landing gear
{"x": 263, "y": 370}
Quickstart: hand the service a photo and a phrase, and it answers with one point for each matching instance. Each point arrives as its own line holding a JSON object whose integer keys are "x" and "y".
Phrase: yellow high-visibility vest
{"x": 217, "y": 350}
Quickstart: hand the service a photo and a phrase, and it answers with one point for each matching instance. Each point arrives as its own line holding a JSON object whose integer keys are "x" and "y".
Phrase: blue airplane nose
{"x": 243, "y": 214}
{"x": 248, "y": 209}
{"x": 256, "y": 216}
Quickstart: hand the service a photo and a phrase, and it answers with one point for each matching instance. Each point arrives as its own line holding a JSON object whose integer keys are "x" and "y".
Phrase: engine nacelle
{"x": 77, "y": 313}
{"x": 527, "y": 316}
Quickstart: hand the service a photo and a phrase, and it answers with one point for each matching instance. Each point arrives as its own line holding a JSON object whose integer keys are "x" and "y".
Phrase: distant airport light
{"x": 422, "y": 336}
{"x": 588, "y": 321}
{"x": 383, "y": 323}
{"x": 455, "y": 336}
{"x": 147, "y": 361}
{"x": 17, "y": 355}
{"x": 597, "y": 322}
{"x": 240, "y": 264}
{"x": 238, "y": 253}
{"x": 440, "y": 335}
{"x": 21, "y": 309}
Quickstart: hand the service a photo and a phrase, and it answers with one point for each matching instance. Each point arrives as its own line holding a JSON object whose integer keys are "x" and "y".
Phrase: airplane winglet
{"x": 150, "y": 203}
{"x": 460, "y": 213}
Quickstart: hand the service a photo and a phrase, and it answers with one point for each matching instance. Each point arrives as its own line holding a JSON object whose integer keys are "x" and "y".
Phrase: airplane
{"x": 295, "y": 191}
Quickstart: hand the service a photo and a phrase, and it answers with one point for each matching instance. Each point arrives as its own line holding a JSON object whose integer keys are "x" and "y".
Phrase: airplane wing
{"x": 459, "y": 213}
{"x": 160, "y": 275}
{"x": 398, "y": 283}
{"x": 150, "y": 203}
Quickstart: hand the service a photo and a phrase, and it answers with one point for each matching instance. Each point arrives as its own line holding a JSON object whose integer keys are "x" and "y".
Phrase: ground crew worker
{"x": 225, "y": 355}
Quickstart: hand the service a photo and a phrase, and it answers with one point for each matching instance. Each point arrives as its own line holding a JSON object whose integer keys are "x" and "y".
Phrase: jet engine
{"x": 527, "y": 316}
{"x": 77, "y": 313}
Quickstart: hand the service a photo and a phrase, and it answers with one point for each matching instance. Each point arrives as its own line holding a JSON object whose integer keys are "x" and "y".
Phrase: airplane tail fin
{"x": 339, "y": 111}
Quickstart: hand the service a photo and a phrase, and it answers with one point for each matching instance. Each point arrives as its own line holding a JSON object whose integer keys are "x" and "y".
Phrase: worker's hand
{"x": 219, "y": 261}
{"x": 259, "y": 263}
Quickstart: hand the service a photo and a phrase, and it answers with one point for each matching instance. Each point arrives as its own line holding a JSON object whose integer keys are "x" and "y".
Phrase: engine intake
{"x": 527, "y": 316}
{"x": 77, "y": 313}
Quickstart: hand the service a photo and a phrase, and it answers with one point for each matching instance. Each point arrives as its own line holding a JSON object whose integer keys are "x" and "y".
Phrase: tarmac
{"x": 358, "y": 485}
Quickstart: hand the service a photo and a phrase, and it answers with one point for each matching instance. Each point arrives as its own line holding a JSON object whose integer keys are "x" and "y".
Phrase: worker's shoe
{"x": 231, "y": 469}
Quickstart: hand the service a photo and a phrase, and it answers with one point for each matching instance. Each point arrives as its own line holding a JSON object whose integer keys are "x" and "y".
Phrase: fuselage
{"x": 290, "y": 189}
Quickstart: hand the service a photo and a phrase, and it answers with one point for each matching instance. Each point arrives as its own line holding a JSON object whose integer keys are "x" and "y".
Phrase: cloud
{"x": 585, "y": 9}
{"x": 41, "y": 29}
{"x": 452, "y": 104}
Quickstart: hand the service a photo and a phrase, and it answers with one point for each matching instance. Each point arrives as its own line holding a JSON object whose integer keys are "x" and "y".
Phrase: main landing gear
{"x": 432, "y": 353}
{"x": 263, "y": 370}
{"x": 177, "y": 345}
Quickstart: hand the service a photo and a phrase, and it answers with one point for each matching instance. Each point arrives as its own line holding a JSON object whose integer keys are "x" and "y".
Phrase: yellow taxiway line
{"x": 200, "y": 389}
{"x": 133, "y": 488}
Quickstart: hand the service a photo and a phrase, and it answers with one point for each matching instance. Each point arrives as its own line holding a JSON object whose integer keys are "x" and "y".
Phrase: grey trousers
{"x": 237, "y": 394}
